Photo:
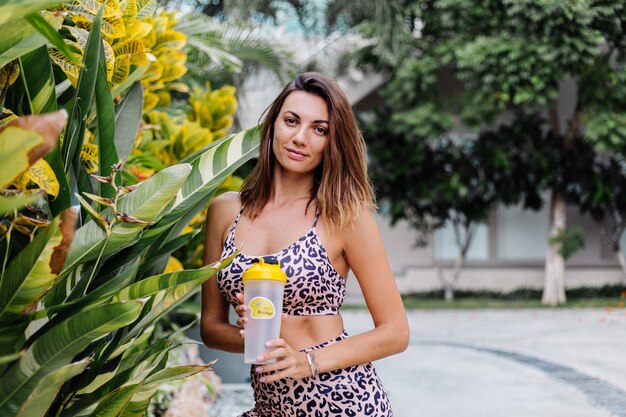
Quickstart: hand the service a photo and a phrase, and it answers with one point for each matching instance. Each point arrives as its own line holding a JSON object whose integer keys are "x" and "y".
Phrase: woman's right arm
{"x": 215, "y": 327}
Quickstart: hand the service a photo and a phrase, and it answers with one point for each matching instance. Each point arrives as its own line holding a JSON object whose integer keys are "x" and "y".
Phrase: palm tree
{"x": 225, "y": 53}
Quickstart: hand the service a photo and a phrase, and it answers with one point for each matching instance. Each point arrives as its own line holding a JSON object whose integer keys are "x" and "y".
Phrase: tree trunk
{"x": 554, "y": 287}
{"x": 622, "y": 261}
{"x": 463, "y": 243}
{"x": 440, "y": 272}
{"x": 619, "y": 225}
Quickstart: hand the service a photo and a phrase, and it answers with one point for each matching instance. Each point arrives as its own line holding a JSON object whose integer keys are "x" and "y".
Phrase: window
{"x": 522, "y": 234}
{"x": 447, "y": 249}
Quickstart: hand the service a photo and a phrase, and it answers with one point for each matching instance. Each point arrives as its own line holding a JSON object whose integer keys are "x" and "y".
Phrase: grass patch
{"x": 608, "y": 296}
{"x": 415, "y": 302}
{"x": 583, "y": 297}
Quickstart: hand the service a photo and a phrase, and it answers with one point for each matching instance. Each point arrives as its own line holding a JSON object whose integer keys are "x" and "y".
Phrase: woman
{"x": 308, "y": 202}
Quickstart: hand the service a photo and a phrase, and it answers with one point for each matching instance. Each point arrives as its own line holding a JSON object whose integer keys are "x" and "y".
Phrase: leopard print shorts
{"x": 353, "y": 391}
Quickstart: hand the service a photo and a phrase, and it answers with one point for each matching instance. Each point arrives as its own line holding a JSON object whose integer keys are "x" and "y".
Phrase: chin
{"x": 297, "y": 169}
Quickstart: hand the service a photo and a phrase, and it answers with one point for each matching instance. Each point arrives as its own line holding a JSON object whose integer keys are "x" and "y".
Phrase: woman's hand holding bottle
{"x": 241, "y": 312}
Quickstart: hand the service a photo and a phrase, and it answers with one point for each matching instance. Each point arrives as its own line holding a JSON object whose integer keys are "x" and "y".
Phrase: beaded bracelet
{"x": 315, "y": 367}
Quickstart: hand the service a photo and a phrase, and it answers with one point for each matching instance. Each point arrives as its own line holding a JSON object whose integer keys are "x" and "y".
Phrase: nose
{"x": 299, "y": 137}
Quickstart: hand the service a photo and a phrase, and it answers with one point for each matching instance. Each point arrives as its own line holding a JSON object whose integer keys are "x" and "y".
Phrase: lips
{"x": 295, "y": 155}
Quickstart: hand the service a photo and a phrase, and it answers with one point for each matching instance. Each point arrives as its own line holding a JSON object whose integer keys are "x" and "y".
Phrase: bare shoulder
{"x": 364, "y": 225}
{"x": 223, "y": 210}
{"x": 229, "y": 198}
{"x": 361, "y": 234}
{"x": 364, "y": 250}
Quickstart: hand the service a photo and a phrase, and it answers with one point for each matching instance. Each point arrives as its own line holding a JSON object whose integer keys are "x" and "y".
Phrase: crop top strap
{"x": 230, "y": 239}
{"x": 317, "y": 215}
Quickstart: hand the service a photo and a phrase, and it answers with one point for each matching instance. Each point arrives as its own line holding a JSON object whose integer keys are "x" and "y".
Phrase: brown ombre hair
{"x": 341, "y": 188}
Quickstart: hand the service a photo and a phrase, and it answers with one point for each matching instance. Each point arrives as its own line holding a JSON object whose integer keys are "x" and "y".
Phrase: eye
{"x": 290, "y": 121}
{"x": 321, "y": 130}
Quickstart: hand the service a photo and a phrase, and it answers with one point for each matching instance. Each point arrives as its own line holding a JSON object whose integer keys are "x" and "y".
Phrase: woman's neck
{"x": 288, "y": 187}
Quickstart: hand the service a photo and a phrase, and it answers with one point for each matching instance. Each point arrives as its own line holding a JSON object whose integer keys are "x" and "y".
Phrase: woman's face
{"x": 301, "y": 132}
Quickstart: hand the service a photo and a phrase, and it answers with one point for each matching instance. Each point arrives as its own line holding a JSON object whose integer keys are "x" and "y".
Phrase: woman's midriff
{"x": 305, "y": 331}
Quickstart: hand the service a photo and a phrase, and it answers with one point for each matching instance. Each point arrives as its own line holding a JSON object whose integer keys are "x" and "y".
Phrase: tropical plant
{"x": 168, "y": 64}
{"x": 80, "y": 290}
{"x": 125, "y": 26}
{"x": 225, "y": 52}
{"x": 166, "y": 139}
{"x": 141, "y": 46}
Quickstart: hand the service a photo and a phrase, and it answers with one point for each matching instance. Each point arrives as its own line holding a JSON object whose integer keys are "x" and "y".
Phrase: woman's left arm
{"x": 366, "y": 256}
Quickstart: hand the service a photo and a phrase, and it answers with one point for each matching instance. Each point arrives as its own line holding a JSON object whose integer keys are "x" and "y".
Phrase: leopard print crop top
{"x": 313, "y": 285}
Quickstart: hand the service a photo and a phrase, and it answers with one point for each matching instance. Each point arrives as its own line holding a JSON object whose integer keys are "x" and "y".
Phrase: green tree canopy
{"x": 474, "y": 66}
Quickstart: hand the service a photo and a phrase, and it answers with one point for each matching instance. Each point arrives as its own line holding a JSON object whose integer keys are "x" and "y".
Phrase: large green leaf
{"x": 75, "y": 130}
{"x": 120, "y": 279}
{"x": 162, "y": 303}
{"x": 12, "y": 337}
{"x": 212, "y": 167}
{"x": 175, "y": 372}
{"x": 36, "y": 72}
{"x": 140, "y": 401}
{"x": 156, "y": 261}
{"x": 56, "y": 348}
{"x": 105, "y": 129}
{"x": 19, "y": 37}
{"x": 114, "y": 404}
{"x": 42, "y": 396}
{"x": 147, "y": 202}
{"x": 132, "y": 369}
{"x": 14, "y": 9}
{"x": 35, "y": 268}
{"x": 143, "y": 360}
{"x": 132, "y": 399}
{"x": 157, "y": 283}
{"x": 38, "y": 78}
{"x": 127, "y": 119}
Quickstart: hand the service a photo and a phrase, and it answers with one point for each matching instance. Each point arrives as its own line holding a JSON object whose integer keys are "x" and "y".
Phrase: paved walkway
{"x": 513, "y": 363}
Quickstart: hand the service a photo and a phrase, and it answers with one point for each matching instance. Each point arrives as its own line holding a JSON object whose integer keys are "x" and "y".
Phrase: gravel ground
{"x": 477, "y": 363}
{"x": 235, "y": 399}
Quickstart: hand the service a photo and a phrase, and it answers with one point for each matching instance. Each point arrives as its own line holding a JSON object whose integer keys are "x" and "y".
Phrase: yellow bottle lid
{"x": 263, "y": 270}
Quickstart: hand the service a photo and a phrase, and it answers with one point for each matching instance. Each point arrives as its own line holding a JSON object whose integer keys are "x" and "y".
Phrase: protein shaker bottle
{"x": 263, "y": 283}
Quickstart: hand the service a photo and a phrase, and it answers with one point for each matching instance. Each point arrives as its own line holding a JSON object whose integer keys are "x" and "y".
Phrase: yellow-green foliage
{"x": 169, "y": 139}
{"x": 168, "y": 65}
{"x": 132, "y": 38}
{"x": 213, "y": 109}
{"x": 122, "y": 33}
